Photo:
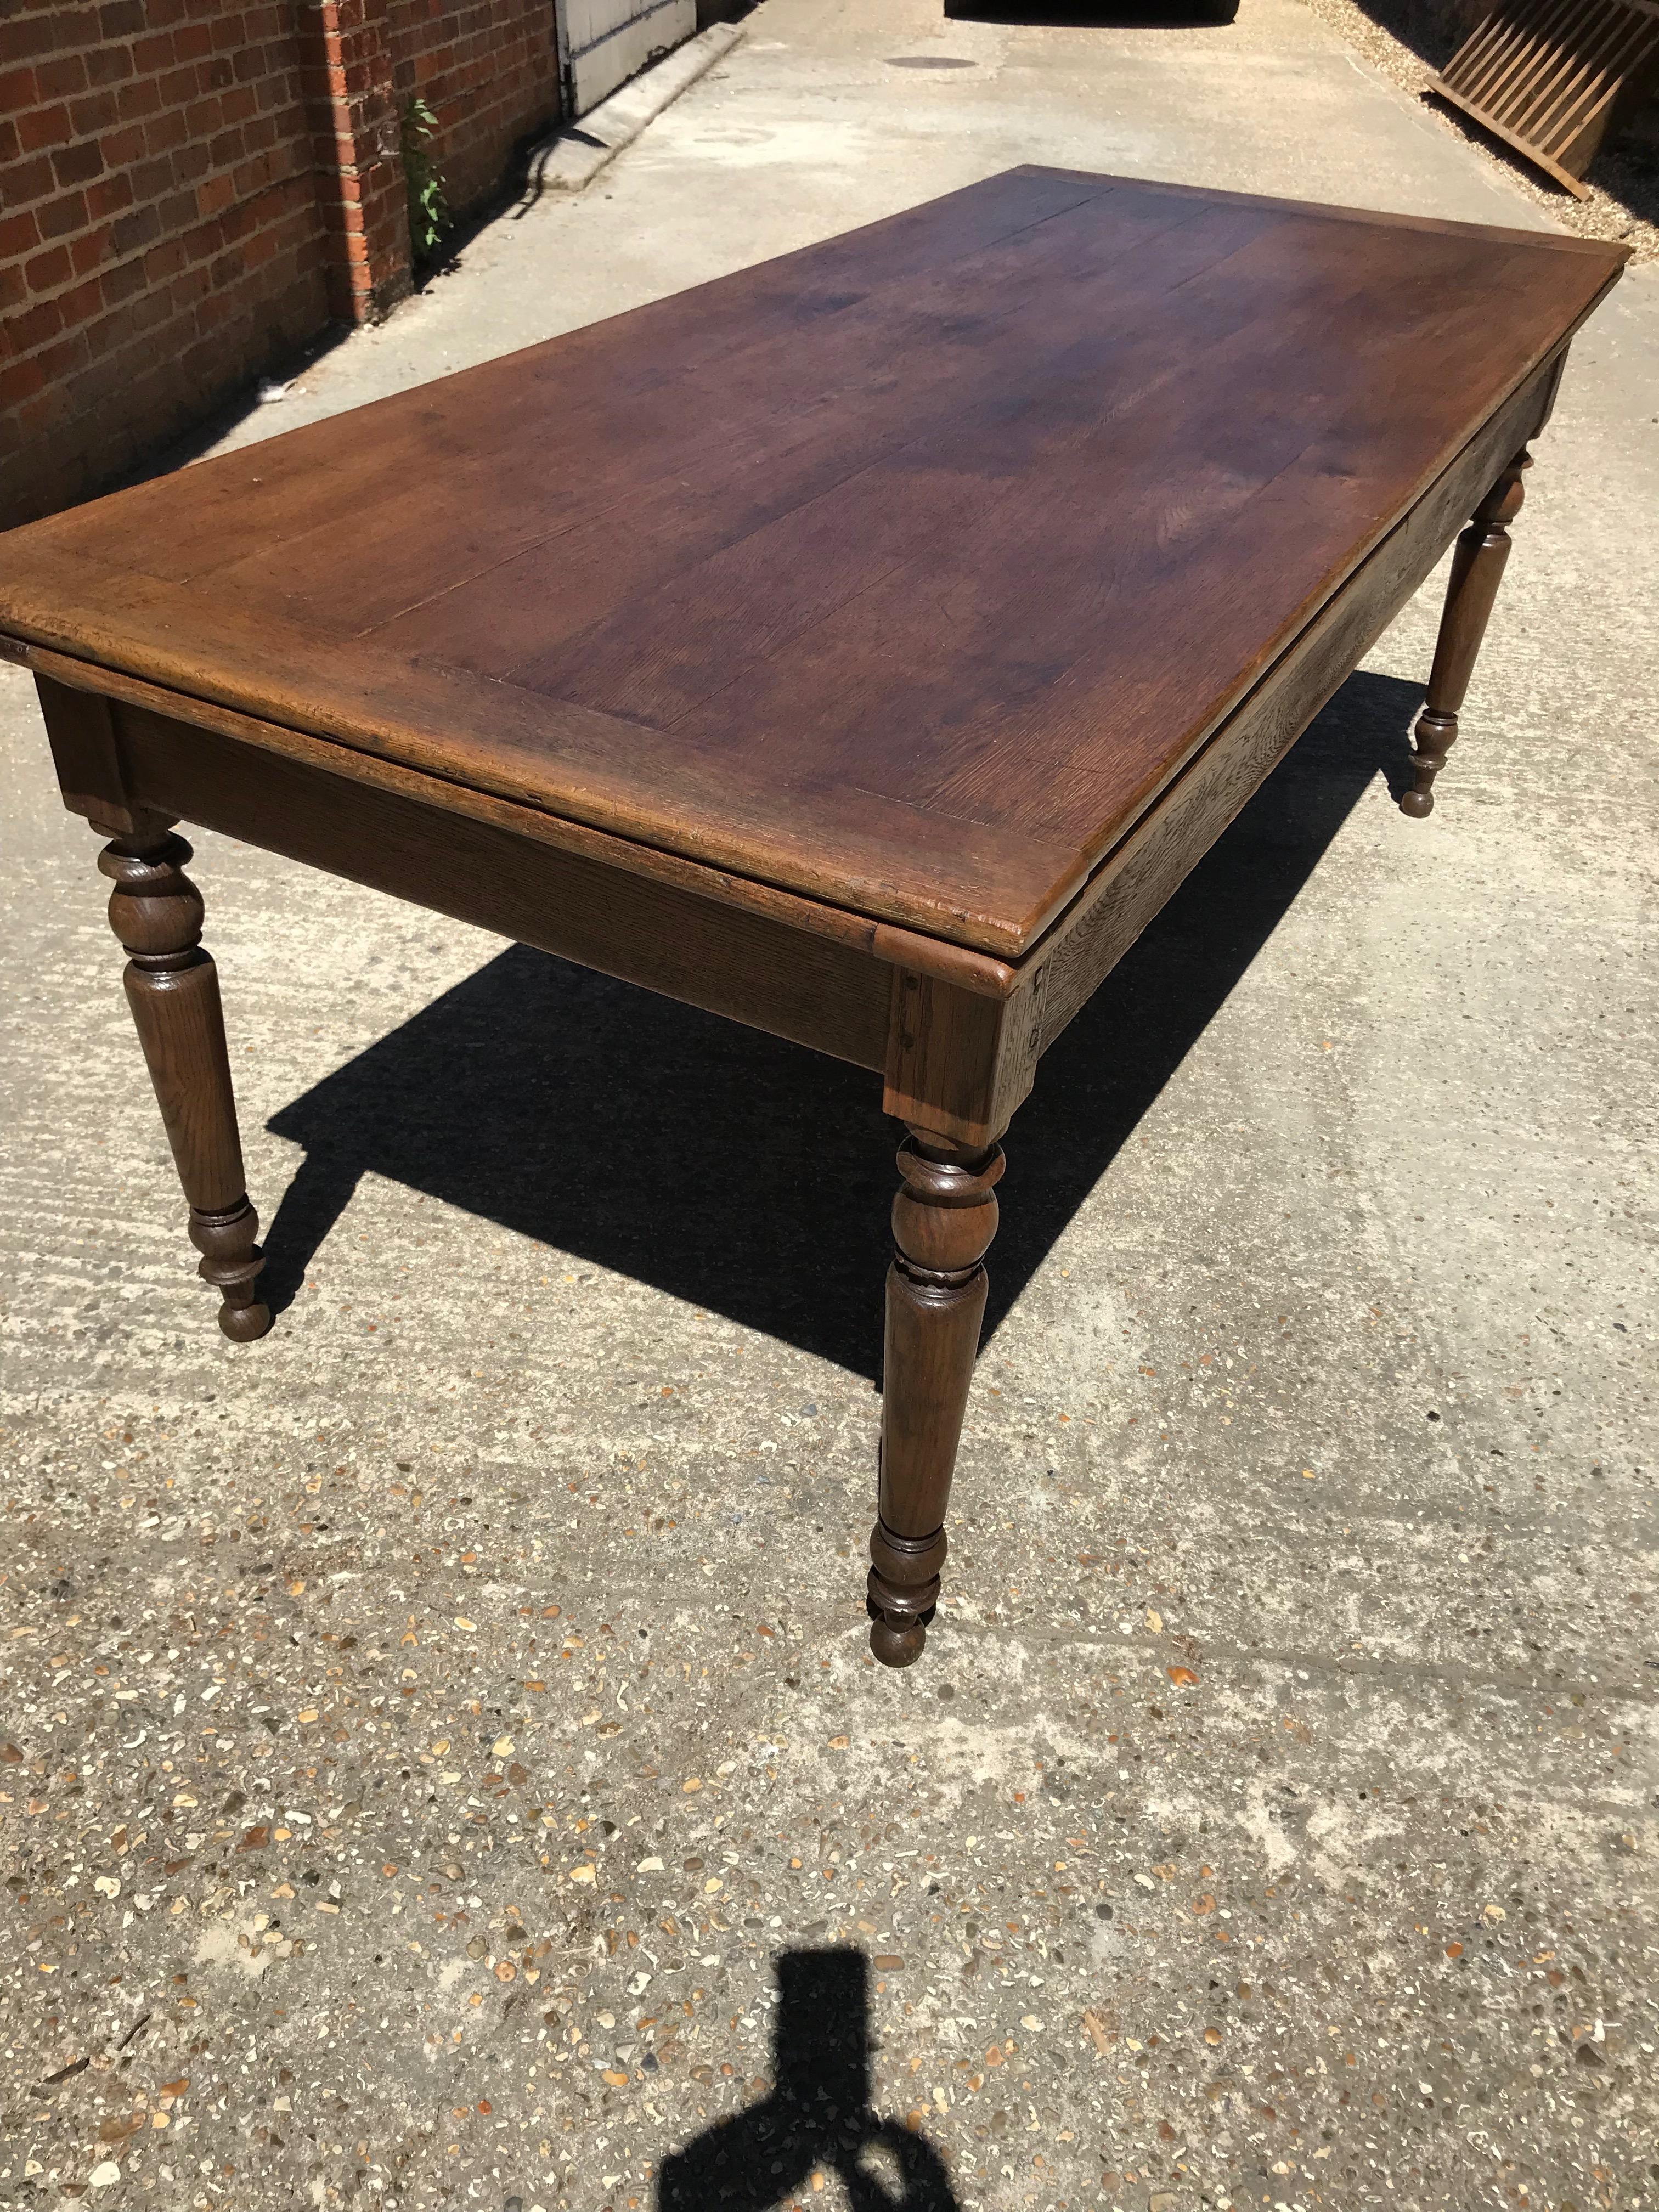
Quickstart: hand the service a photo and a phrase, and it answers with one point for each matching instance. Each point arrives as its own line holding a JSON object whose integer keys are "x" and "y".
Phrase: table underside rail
{"x": 945, "y": 1068}
{"x": 746, "y": 966}
{"x": 1136, "y": 880}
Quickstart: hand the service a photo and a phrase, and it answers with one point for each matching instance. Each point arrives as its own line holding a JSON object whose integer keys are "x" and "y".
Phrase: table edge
{"x": 992, "y": 948}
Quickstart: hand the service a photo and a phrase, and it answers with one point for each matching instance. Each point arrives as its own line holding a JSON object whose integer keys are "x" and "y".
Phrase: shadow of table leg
{"x": 318, "y": 1195}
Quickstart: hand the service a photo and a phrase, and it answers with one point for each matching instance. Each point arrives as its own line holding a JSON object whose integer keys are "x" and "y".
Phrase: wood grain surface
{"x": 900, "y": 573}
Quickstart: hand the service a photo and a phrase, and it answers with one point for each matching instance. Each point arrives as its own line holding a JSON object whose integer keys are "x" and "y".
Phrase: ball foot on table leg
{"x": 246, "y": 1324}
{"x": 903, "y": 1591}
{"x": 232, "y": 1262}
{"x": 1431, "y": 740}
{"x": 897, "y": 1637}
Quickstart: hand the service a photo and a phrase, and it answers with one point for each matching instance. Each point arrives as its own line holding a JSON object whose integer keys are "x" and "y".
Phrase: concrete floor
{"x": 438, "y": 1758}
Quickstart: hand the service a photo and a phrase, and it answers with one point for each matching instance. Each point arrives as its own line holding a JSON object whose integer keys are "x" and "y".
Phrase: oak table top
{"x": 864, "y": 645}
{"x": 901, "y": 573}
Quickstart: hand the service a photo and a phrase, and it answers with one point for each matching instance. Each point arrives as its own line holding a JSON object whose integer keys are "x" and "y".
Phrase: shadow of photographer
{"x": 818, "y": 2117}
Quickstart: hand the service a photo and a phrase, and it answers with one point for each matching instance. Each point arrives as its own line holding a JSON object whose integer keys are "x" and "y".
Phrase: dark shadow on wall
{"x": 1054, "y": 15}
{"x": 819, "y": 2115}
{"x": 257, "y": 396}
{"x": 753, "y": 1177}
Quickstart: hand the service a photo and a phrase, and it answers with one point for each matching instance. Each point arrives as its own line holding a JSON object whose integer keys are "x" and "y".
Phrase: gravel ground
{"x": 1405, "y": 41}
{"x": 440, "y": 1764}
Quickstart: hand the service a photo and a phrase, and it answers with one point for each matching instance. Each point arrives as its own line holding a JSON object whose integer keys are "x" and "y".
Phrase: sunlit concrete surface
{"x": 442, "y": 1764}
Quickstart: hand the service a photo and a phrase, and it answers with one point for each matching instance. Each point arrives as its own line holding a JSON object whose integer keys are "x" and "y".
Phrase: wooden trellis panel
{"x": 1546, "y": 76}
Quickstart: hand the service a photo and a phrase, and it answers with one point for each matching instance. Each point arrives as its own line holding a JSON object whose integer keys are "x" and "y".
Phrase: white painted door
{"x": 602, "y": 43}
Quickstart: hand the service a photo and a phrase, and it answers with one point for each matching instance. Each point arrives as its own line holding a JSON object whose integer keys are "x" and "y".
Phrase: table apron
{"x": 745, "y": 966}
{"x": 962, "y": 1064}
{"x": 1136, "y": 880}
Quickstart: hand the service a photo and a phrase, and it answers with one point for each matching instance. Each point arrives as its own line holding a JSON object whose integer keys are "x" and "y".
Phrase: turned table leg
{"x": 172, "y": 987}
{"x": 943, "y": 1220}
{"x": 1477, "y": 569}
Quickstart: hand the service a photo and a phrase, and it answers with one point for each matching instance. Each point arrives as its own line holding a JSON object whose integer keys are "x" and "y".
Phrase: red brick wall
{"x": 489, "y": 71}
{"x": 189, "y": 189}
{"x": 160, "y": 238}
{"x": 360, "y": 173}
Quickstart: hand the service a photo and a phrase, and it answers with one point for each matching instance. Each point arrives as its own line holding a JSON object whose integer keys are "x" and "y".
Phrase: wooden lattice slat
{"x": 1546, "y": 76}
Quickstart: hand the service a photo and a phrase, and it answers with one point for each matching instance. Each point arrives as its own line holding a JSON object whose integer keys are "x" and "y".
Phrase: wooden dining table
{"x": 863, "y": 645}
